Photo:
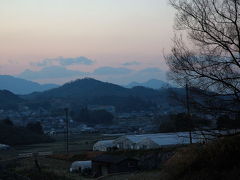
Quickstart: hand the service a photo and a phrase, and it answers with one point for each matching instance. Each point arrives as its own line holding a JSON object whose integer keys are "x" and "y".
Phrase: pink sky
{"x": 110, "y": 32}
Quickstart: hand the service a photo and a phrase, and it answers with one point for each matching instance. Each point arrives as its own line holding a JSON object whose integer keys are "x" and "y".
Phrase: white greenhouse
{"x": 79, "y": 166}
{"x": 148, "y": 141}
{"x": 103, "y": 145}
{"x": 162, "y": 140}
{"x": 4, "y": 147}
{"x": 128, "y": 141}
{"x": 152, "y": 141}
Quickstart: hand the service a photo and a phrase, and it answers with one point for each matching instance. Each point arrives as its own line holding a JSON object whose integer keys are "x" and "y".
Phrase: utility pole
{"x": 188, "y": 114}
{"x": 67, "y": 130}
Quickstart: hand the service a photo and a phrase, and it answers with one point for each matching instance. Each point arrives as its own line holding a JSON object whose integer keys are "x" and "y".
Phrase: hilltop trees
{"x": 16, "y": 135}
{"x": 179, "y": 122}
{"x": 207, "y": 53}
{"x": 7, "y": 122}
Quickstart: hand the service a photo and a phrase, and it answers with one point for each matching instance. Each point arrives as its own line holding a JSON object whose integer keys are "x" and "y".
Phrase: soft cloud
{"x": 50, "y": 72}
{"x": 10, "y": 61}
{"x": 73, "y": 61}
{"x": 43, "y": 63}
{"x": 151, "y": 70}
{"x": 64, "y": 61}
{"x": 132, "y": 63}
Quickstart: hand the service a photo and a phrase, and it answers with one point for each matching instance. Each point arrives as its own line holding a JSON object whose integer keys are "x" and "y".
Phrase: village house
{"x": 109, "y": 164}
{"x": 80, "y": 166}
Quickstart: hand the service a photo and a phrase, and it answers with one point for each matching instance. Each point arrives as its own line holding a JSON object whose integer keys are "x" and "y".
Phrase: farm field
{"x": 77, "y": 143}
{"x": 153, "y": 175}
{"x": 57, "y": 164}
{"x": 59, "y": 168}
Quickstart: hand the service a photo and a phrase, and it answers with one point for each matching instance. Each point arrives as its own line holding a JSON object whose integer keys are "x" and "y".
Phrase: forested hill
{"x": 83, "y": 88}
{"x": 152, "y": 83}
{"x": 91, "y": 91}
{"x": 9, "y": 100}
{"x": 90, "y": 88}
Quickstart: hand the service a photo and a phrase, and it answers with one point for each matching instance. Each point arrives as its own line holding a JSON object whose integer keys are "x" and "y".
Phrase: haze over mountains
{"x": 117, "y": 75}
{"x": 22, "y": 86}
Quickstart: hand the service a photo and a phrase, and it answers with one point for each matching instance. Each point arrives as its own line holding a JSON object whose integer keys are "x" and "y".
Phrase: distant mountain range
{"x": 89, "y": 88}
{"x": 21, "y": 86}
{"x": 89, "y": 91}
{"x": 84, "y": 92}
{"x": 153, "y": 83}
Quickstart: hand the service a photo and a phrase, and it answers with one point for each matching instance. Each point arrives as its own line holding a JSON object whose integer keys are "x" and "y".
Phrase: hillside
{"x": 9, "y": 100}
{"x": 88, "y": 88}
{"x": 85, "y": 88}
{"x": 218, "y": 160}
{"x": 153, "y": 83}
{"x": 21, "y": 86}
{"x": 90, "y": 91}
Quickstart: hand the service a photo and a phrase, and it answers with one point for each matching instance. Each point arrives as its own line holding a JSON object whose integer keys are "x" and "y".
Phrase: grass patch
{"x": 34, "y": 174}
{"x": 217, "y": 160}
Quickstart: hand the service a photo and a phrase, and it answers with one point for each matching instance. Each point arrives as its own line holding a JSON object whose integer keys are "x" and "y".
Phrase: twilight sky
{"x": 82, "y": 37}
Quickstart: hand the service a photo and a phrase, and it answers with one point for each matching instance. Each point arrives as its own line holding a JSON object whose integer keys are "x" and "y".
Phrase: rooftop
{"x": 107, "y": 158}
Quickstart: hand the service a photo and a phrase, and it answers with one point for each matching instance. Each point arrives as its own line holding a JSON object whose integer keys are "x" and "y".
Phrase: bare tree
{"x": 207, "y": 53}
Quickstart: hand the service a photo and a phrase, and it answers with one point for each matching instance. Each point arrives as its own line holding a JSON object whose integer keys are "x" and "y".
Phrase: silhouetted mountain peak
{"x": 82, "y": 82}
{"x": 83, "y": 88}
{"x": 89, "y": 83}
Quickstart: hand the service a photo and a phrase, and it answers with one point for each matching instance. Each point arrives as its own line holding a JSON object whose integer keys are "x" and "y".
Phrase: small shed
{"x": 109, "y": 164}
{"x": 4, "y": 147}
{"x": 103, "y": 145}
{"x": 79, "y": 166}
